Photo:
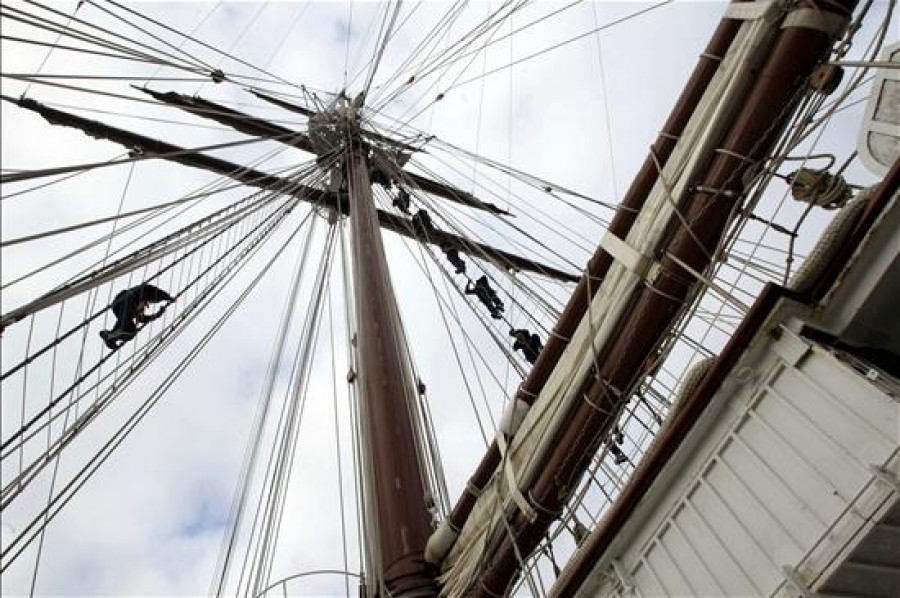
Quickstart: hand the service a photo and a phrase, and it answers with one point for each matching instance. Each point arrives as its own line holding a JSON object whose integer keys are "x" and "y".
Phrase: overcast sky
{"x": 151, "y": 520}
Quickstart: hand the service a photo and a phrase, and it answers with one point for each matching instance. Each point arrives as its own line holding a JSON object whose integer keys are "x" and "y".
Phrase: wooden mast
{"x": 386, "y": 389}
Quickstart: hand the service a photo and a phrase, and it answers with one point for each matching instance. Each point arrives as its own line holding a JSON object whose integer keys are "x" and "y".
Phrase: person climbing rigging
{"x": 401, "y": 202}
{"x": 455, "y": 261}
{"x": 614, "y": 444}
{"x": 380, "y": 177}
{"x": 129, "y": 307}
{"x": 422, "y": 223}
{"x": 528, "y": 343}
{"x": 483, "y": 291}
{"x": 497, "y": 302}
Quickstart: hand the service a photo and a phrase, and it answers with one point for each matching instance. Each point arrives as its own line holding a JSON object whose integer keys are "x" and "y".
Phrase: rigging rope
{"x": 252, "y": 245}
{"x": 21, "y": 542}
{"x": 248, "y": 466}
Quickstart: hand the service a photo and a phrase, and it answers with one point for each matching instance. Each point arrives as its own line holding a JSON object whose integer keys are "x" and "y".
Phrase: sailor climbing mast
{"x": 386, "y": 390}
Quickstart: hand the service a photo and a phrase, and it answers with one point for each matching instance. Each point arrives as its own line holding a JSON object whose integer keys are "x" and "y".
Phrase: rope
{"x": 248, "y": 466}
{"x": 247, "y": 252}
{"x": 20, "y": 543}
{"x": 818, "y": 187}
{"x": 25, "y": 93}
{"x": 561, "y": 44}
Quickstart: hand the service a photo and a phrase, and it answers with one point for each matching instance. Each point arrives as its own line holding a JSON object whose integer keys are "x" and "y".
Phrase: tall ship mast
{"x": 308, "y": 315}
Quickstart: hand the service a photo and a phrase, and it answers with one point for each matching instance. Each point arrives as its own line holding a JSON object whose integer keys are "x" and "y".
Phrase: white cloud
{"x": 151, "y": 520}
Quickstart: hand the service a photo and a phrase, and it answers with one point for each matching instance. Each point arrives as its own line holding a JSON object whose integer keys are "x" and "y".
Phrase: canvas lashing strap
{"x": 749, "y": 11}
{"x": 810, "y": 18}
{"x": 626, "y": 255}
{"x": 512, "y": 482}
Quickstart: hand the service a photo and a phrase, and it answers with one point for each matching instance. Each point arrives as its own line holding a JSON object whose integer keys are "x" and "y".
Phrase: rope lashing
{"x": 819, "y": 188}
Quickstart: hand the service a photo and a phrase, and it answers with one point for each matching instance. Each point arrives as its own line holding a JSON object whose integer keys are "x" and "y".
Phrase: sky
{"x": 580, "y": 116}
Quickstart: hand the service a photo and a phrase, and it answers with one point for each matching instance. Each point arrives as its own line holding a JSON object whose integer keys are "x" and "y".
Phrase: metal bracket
{"x": 889, "y": 478}
{"x": 794, "y": 582}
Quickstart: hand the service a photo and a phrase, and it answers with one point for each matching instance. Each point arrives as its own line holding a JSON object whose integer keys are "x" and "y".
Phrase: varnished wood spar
{"x": 251, "y": 125}
{"x": 755, "y": 128}
{"x": 599, "y": 264}
{"x": 156, "y": 149}
{"x": 386, "y": 390}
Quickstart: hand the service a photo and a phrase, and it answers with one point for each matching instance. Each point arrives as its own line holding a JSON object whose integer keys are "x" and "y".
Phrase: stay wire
{"x": 87, "y": 38}
{"x": 337, "y": 440}
{"x": 522, "y": 28}
{"x": 91, "y": 38}
{"x": 309, "y": 352}
{"x": 446, "y": 20}
{"x": 186, "y": 58}
{"x": 347, "y": 46}
{"x": 562, "y": 43}
{"x": 248, "y": 466}
{"x": 128, "y": 377}
{"x": 240, "y": 36}
{"x": 178, "y": 49}
{"x": 193, "y": 31}
{"x": 493, "y": 30}
{"x": 396, "y": 30}
{"x": 78, "y": 50}
{"x": 57, "y": 459}
{"x": 489, "y": 25}
{"x": 264, "y": 228}
{"x": 25, "y": 93}
{"x": 252, "y": 557}
{"x": 107, "y": 449}
{"x": 207, "y": 46}
{"x": 381, "y": 45}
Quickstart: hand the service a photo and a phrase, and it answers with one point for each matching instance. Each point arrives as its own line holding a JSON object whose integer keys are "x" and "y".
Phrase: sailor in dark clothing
{"x": 422, "y": 223}
{"x": 129, "y": 307}
{"x": 401, "y": 202}
{"x": 380, "y": 177}
{"x": 529, "y": 343}
{"x": 456, "y": 261}
{"x": 482, "y": 289}
{"x": 497, "y": 302}
{"x": 614, "y": 443}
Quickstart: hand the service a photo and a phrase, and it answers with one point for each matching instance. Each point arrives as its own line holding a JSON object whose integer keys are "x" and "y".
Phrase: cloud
{"x": 151, "y": 520}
